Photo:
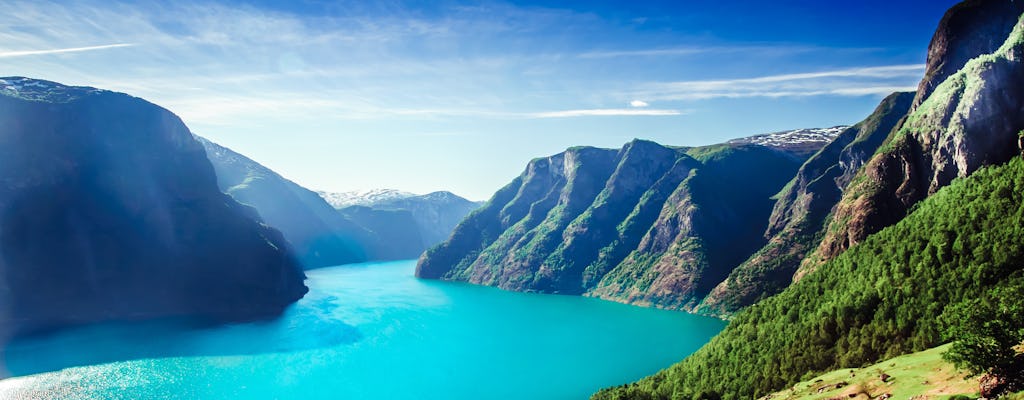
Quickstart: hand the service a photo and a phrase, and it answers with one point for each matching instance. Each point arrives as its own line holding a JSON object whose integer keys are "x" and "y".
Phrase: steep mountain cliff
{"x": 882, "y": 298}
{"x": 109, "y": 209}
{"x": 969, "y": 120}
{"x": 932, "y": 220}
{"x": 803, "y": 208}
{"x": 646, "y": 224}
{"x": 319, "y": 235}
{"x": 969, "y": 29}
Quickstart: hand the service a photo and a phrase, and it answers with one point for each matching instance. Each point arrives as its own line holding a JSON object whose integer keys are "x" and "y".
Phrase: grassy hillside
{"x": 880, "y": 299}
{"x": 924, "y": 373}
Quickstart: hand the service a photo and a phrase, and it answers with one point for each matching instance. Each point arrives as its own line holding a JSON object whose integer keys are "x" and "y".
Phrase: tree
{"x": 988, "y": 335}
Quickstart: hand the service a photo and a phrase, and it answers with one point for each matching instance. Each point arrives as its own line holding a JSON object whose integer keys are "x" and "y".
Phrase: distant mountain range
{"x": 434, "y": 215}
{"x": 379, "y": 224}
{"x": 367, "y": 198}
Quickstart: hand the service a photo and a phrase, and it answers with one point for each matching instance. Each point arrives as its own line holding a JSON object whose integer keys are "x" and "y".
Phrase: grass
{"x": 922, "y": 375}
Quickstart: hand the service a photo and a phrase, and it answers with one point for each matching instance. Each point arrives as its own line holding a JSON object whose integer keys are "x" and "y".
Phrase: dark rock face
{"x": 319, "y": 234}
{"x": 109, "y": 209}
{"x": 968, "y": 29}
{"x": 803, "y": 207}
{"x": 970, "y": 120}
{"x": 620, "y": 224}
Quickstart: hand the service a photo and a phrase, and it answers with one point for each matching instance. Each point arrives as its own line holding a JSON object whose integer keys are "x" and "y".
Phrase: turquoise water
{"x": 369, "y": 331}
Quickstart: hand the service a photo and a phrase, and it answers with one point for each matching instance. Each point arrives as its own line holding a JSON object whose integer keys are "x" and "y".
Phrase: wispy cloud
{"x": 638, "y": 103}
{"x": 22, "y": 53}
{"x": 607, "y": 112}
{"x": 759, "y": 50}
{"x": 840, "y": 82}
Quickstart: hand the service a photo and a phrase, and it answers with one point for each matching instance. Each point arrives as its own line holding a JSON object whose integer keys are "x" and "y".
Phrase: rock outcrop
{"x": 967, "y": 30}
{"x": 110, "y": 210}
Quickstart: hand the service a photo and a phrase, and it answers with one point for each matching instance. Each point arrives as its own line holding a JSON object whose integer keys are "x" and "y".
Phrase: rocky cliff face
{"x": 969, "y": 29}
{"x": 969, "y": 120}
{"x": 803, "y": 207}
{"x": 316, "y": 231}
{"x": 646, "y": 224}
{"x": 109, "y": 209}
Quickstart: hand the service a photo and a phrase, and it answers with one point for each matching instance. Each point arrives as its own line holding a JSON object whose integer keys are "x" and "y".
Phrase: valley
{"x": 644, "y": 240}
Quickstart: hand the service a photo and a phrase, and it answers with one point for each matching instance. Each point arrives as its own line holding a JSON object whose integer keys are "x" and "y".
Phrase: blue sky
{"x": 423, "y": 96}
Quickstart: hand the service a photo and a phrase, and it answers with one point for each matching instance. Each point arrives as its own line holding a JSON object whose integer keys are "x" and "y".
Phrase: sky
{"x": 460, "y": 95}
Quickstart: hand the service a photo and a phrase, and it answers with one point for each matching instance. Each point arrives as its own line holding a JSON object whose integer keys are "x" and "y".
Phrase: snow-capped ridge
{"x": 785, "y": 139}
{"x": 42, "y": 90}
{"x": 368, "y": 197}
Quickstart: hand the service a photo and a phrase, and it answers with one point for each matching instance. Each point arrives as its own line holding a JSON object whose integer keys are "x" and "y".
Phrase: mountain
{"x": 929, "y": 223}
{"x": 645, "y": 224}
{"x": 387, "y": 225}
{"x": 110, "y": 210}
{"x": 882, "y": 298}
{"x": 803, "y": 142}
{"x": 397, "y": 235}
{"x": 811, "y": 202}
{"x": 435, "y": 214}
{"x": 319, "y": 234}
{"x": 802, "y": 208}
{"x": 969, "y": 120}
{"x": 367, "y": 198}
{"x": 422, "y": 219}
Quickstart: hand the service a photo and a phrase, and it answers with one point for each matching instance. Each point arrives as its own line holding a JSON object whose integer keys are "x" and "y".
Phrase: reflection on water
{"x": 367, "y": 332}
{"x": 310, "y": 325}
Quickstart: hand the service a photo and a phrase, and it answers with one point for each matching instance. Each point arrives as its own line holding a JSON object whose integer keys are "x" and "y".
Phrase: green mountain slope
{"x": 969, "y": 120}
{"x": 803, "y": 208}
{"x": 646, "y": 224}
{"x": 880, "y": 299}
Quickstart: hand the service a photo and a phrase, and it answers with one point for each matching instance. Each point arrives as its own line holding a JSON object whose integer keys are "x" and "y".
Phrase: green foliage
{"x": 882, "y": 298}
{"x": 988, "y": 333}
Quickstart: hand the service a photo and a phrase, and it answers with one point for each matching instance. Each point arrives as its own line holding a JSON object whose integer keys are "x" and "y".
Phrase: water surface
{"x": 369, "y": 331}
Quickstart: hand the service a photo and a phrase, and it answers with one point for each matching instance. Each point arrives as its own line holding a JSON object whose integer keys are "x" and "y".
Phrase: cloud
{"x": 860, "y": 81}
{"x": 749, "y": 49}
{"x": 678, "y": 51}
{"x": 606, "y": 112}
{"x": 22, "y": 53}
{"x": 638, "y": 103}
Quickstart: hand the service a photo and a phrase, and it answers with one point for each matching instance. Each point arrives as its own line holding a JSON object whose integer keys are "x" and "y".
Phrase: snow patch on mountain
{"x": 40, "y": 90}
{"x": 799, "y": 137}
{"x": 362, "y": 197}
